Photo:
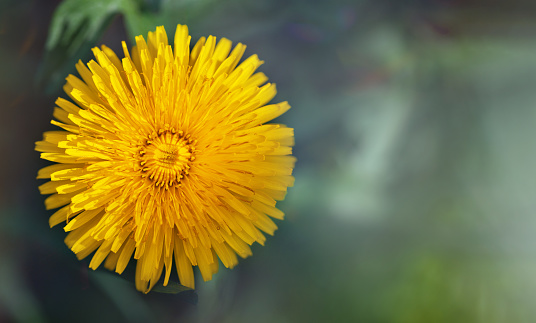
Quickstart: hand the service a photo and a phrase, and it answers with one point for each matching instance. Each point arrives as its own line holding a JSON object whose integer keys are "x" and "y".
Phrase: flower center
{"x": 165, "y": 157}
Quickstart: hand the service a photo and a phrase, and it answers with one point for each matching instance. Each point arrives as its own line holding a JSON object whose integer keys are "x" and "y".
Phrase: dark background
{"x": 415, "y": 188}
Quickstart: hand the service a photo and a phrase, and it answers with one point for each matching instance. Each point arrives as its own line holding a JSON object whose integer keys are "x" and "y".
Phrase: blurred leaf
{"x": 77, "y": 21}
{"x": 77, "y": 25}
{"x": 75, "y": 28}
{"x": 172, "y": 287}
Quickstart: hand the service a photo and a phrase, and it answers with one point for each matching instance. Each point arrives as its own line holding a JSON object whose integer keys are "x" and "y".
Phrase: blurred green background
{"x": 415, "y": 184}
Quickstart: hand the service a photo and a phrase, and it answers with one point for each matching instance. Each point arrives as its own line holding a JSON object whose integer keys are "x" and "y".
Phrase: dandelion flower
{"x": 166, "y": 157}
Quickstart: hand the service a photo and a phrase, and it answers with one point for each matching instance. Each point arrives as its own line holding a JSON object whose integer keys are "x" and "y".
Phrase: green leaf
{"x": 172, "y": 287}
{"x": 76, "y": 21}
{"x": 76, "y": 26}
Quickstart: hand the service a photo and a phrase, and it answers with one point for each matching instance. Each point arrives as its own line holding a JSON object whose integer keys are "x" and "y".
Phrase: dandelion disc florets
{"x": 165, "y": 156}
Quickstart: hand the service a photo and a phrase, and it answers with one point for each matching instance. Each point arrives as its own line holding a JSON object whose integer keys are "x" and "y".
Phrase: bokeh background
{"x": 414, "y": 200}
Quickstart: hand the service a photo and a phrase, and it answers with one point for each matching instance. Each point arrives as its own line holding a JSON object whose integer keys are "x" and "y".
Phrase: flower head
{"x": 165, "y": 157}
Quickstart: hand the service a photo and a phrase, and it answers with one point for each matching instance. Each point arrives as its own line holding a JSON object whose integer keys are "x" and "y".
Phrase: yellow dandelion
{"x": 165, "y": 156}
